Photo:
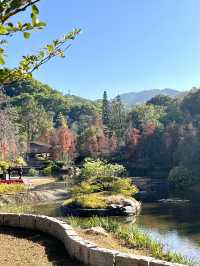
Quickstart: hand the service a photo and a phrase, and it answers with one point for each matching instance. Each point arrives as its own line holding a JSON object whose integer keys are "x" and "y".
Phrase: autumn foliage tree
{"x": 133, "y": 137}
{"x": 63, "y": 141}
{"x": 97, "y": 140}
{"x": 8, "y": 137}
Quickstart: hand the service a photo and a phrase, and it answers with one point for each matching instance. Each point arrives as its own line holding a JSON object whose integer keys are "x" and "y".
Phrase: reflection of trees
{"x": 184, "y": 219}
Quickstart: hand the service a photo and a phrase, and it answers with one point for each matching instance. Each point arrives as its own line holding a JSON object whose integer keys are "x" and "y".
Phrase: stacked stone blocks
{"x": 86, "y": 252}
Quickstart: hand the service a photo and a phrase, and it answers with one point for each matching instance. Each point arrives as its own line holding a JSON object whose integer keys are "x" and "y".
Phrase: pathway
{"x": 19, "y": 247}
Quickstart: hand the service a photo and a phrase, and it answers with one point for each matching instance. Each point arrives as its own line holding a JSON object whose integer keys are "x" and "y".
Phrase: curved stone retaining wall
{"x": 86, "y": 252}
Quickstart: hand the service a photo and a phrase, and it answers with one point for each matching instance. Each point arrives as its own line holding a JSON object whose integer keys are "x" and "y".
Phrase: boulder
{"x": 96, "y": 231}
{"x": 125, "y": 206}
{"x": 117, "y": 205}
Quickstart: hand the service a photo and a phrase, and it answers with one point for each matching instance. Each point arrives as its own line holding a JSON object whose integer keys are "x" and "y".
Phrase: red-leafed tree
{"x": 62, "y": 141}
{"x": 46, "y": 135}
{"x": 8, "y": 136}
{"x": 97, "y": 140}
{"x": 133, "y": 137}
{"x": 171, "y": 137}
{"x": 149, "y": 129}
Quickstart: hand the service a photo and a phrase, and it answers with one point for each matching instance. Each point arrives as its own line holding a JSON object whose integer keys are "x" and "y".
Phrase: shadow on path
{"x": 54, "y": 249}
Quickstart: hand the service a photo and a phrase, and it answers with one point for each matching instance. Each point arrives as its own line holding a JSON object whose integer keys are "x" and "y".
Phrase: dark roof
{"x": 40, "y": 144}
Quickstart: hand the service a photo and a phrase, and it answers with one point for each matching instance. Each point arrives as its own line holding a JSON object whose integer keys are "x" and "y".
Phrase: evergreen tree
{"x": 105, "y": 110}
{"x": 60, "y": 121}
{"x": 118, "y": 118}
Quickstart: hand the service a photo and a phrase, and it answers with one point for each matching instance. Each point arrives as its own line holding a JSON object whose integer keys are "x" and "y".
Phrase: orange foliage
{"x": 98, "y": 140}
{"x": 133, "y": 137}
{"x": 149, "y": 129}
{"x": 63, "y": 142}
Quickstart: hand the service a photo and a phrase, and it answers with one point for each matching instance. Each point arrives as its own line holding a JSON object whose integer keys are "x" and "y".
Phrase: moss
{"x": 88, "y": 201}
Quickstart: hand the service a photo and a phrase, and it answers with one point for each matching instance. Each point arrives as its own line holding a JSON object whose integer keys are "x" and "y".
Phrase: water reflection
{"x": 177, "y": 226}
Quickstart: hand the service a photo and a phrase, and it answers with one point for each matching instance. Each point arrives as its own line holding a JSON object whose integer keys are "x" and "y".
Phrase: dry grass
{"x": 109, "y": 242}
{"x": 12, "y": 188}
{"x": 25, "y": 248}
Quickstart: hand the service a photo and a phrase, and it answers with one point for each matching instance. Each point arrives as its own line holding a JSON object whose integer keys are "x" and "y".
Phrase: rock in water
{"x": 124, "y": 206}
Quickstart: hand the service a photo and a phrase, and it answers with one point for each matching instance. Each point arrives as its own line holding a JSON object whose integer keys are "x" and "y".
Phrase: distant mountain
{"x": 133, "y": 98}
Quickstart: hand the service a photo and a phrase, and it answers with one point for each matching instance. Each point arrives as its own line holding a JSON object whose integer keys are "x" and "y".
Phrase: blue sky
{"x": 125, "y": 45}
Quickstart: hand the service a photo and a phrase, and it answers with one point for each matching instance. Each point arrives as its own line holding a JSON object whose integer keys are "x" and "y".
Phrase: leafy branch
{"x": 29, "y": 63}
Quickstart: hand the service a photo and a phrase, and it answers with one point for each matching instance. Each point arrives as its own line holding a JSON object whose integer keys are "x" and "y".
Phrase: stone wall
{"x": 86, "y": 252}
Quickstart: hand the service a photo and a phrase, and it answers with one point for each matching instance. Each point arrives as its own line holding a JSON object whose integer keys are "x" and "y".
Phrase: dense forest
{"x": 158, "y": 139}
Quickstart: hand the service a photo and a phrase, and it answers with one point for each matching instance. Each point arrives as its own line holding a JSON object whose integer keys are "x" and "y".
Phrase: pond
{"x": 175, "y": 225}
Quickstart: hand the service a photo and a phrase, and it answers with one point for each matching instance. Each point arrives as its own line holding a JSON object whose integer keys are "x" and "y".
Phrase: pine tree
{"x": 105, "y": 110}
{"x": 60, "y": 121}
{"x": 118, "y": 118}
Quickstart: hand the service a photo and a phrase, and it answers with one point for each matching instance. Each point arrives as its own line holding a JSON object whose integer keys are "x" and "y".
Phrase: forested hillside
{"x": 132, "y": 98}
{"x": 160, "y": 138}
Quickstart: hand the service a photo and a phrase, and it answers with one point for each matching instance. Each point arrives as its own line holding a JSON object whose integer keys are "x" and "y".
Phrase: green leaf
{"x": 34, "y": 19}
{"x": 2, "y": 30}
{"x": 35, "y": 10}
{"x": 41, "y": 24}
{"x": 27, "y": 35}
{"x": 19, "y": 24}
{"x": 2, "y": 61}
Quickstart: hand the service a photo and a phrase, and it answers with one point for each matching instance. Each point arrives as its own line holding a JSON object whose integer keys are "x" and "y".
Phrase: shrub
{"x": 20, "y": 161}
{"x": 57, "y": 165}
{"x": 47, "y": 171}
{"x": 40, "y": 157}
{"x": 60, "y": 163}
{"x": 48, "y": 163}
{"x": 99, "y": 169}
{"x": 11, "y": 188}
{"x": 90, "y": 201}
{"x": 104, "y": 176}
{"x": 181, "y": 178}
{"x": 3, "y": 166}
{"x": 84, "y": 188}
{"x": 99, "y": 180}
{"x": 124, "y": 186}
{"x": 32, "y": 172}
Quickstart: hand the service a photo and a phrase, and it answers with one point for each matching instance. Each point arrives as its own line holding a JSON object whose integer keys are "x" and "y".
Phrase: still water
{"x": 175, "y": 225}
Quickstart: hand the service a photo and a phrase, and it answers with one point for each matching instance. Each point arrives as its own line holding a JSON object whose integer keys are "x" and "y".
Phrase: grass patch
{"x": 88, "y": 201}
{"x": 11, "y": 188}
{"x": 132, "y": 237}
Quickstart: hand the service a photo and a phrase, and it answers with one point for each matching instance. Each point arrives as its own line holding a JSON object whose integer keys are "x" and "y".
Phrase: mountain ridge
{"x": 134, "y": 98}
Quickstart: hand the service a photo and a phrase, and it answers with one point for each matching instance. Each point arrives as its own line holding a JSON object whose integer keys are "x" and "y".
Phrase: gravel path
{"x": 20, "y": 247}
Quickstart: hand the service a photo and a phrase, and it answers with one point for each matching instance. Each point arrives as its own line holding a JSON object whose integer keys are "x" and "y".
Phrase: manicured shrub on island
{"x": 97, "y": 183}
